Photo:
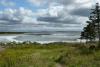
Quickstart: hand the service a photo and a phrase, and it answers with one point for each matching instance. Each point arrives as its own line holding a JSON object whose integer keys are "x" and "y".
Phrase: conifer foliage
{"x": 92, "y": 30}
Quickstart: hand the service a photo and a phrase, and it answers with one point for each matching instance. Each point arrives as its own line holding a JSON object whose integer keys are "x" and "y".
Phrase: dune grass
{"x": 48, "y": 55}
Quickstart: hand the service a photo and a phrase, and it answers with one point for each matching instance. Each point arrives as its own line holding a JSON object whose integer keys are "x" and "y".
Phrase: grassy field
{"x": 48, "y": 55}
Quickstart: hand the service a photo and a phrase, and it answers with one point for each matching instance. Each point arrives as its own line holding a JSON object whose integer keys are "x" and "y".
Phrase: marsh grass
{"x": 48, "y": 55}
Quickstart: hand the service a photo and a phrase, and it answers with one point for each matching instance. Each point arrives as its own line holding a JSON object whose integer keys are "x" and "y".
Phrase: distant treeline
{"x": 12, "y": 32}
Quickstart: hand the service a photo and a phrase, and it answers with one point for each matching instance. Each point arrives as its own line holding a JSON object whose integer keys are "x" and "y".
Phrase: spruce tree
{"x": 88, "y": 32}
{"x": 92, "y": 30}
{"x": 95, "y": 17}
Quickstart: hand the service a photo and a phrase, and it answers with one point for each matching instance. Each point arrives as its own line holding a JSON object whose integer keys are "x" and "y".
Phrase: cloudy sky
{"x": 42, "y": 15}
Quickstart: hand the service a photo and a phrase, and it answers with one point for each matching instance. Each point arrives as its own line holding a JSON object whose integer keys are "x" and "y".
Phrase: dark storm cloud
{"x": 65, "y": 2}
{"x": 48, "y": 19}
{"x": 57, "y": 20}
{"x": 68, "y": 15}
{"x": 81, "y": 12}
{"x": 48, "y": 2}
{"x": 57, "y": 14}
{"x": 9, "y": 20}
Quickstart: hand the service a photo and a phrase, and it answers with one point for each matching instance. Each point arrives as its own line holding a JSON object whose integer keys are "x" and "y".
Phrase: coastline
{"x": 14, "y": 37}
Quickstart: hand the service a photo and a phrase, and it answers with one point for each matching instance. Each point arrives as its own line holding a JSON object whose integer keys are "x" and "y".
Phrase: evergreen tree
{"x": 95, "y": 17}
{"x": 92, "y": 30}
{"x": 88, "y": 32}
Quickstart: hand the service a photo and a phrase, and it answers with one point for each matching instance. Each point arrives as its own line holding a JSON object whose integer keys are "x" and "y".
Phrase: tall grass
{"x": 29, "y": 54}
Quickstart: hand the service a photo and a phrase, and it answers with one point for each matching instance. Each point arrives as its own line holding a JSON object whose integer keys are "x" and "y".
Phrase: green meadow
{"x": 48, "y": 55}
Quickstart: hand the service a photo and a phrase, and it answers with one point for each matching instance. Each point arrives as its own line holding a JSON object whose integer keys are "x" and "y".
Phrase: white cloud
{"x": 52, "y": 10}
{"x": 56, "y": 16}
{"x": 82, "y": 1}
{"x": 37, "y": 2}
{"x": 55, "y": 10}
{"x": 58, "y": 11}
{"x": 21, "y": 15}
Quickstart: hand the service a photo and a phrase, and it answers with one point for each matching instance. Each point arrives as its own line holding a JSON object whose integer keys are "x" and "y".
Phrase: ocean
{"x": 43, "y": 37}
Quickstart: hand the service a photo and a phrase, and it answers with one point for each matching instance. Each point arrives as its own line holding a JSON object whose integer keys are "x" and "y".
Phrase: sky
{"x": 44, "y": 15}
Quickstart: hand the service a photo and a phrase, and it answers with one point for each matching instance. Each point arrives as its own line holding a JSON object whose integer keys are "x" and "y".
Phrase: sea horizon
{"x": 42, "y": 36}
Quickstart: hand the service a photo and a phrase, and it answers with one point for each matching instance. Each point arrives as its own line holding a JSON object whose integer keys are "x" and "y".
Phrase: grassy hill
{"x": 48, "y": 55}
